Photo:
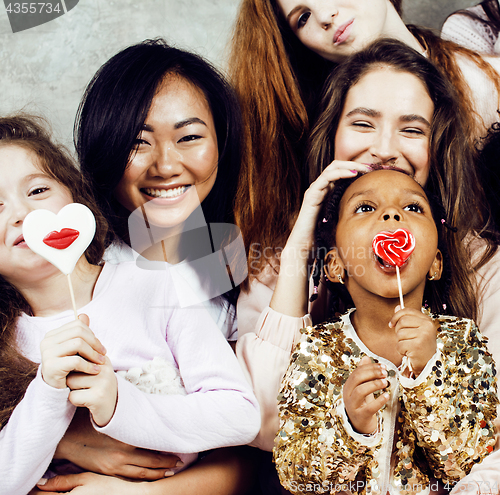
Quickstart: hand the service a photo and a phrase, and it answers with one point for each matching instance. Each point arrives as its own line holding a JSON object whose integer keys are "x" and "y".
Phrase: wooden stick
{"x": 164, "y": 251}
{"x": 72, "y": 296}
{"x": 406, "y": 359}
{"x": 400, "y": 288}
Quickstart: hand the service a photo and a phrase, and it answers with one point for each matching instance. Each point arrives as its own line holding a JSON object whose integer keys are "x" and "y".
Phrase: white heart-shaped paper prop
{"x": 61, "y": 239}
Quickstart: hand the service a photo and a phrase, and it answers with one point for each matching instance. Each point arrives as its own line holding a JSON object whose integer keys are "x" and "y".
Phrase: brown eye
{"x": 138, "y": 142}
{"x": 303, "y": 19}
{"x": 38, "y": 190}
{"x": 191, "y": 137}
{"x": 415, "y": 207}
{"x": 364, "y": 208}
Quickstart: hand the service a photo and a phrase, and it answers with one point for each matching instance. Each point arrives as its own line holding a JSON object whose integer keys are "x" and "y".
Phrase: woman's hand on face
{"x": 72, "y": 347}
{"x": 98, "y": 393}
{"x": 416, "y": 333}
{"x": 302, "y": 235}
{"x": 96, "y": 452}
{"x": 90, "y": 484}
{"x": 360, "y": 404}
{"x": 290, "y": 295}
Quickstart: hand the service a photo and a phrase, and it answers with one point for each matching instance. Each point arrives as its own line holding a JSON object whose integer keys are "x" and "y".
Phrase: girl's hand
{"x": 98, "y": 393}
{"x": 72, "y": 347}
{"x": 360, "y": 404}
{"x": 302, "y": 235}
{"x": 90, "y": 484}
{"x": 96, "y": 452}
{"x": 416, "y": 333}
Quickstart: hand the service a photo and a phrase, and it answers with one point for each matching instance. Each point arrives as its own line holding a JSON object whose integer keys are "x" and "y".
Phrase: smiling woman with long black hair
{"x": 158, "y": 133}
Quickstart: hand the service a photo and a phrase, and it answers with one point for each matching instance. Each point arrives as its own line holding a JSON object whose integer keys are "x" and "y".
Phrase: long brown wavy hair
{"x": 28, "y": 132}
{"x": 276, "y": 78}
{"x": 453, "y": 175}
{"x": 278, "y": 82}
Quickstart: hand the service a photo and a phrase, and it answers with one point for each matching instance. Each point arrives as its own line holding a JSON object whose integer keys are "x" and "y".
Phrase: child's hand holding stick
{"x": 72, "y": 347}
{"x": 395, "y": 248}
{"x": 71, "y": 355}
{"x": 416, "y": 333}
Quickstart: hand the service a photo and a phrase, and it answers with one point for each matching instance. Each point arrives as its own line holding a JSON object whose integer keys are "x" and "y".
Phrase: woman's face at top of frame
{"x": 173, "y": 166}
{"x": 335, "y": 29}
{"x": 386, "y": 120}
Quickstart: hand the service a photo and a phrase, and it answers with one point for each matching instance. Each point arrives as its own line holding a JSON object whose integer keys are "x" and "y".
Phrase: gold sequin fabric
{"x": 435, "y": 426}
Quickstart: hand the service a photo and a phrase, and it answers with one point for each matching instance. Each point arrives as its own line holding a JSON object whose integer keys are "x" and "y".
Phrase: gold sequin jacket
{"x": 435, "y": 426}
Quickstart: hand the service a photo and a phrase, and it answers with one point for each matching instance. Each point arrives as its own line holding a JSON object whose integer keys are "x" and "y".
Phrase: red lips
{"x": 394, "y": 247}
{"x": 62, "y": 239}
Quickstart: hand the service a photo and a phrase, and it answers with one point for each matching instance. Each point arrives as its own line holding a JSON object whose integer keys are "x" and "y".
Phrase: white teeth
{"x": 384, "y": 263}
{"x": 166, "y": 193}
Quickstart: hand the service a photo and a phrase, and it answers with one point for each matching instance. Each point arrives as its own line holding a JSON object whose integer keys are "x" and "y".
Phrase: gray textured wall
{"x": 432, "y": 13}
{"x": 46, "y": 68}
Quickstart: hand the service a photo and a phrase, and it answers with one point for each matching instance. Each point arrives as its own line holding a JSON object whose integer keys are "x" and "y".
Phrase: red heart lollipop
{"x": 394, "y": 247}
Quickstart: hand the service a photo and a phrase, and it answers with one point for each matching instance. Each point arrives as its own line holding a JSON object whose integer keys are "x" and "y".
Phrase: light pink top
{"x": 265, "y": 343}
{"x": 134, "y": 313}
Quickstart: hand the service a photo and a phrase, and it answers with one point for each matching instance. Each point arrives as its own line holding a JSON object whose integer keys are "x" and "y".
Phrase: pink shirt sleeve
{"x": 219, "y": 409}
{"x": 265, "y": 343}
{"x": 488, "y": 290}
{"x": 488, "y": 321}
{"x": 29, "y": 440}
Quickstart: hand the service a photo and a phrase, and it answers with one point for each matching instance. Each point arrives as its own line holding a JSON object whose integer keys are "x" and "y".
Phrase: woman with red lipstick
{"x": 367, "y": 397}
{"x": 282, "y": 52}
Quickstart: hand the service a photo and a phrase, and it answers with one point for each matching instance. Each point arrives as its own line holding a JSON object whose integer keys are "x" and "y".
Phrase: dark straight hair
{"x": 113, "y": 110}
{"x": 492, "y": 10}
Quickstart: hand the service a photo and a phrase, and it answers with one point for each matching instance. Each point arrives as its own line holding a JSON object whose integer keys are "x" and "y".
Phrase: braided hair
{"x": 436, "y": 293}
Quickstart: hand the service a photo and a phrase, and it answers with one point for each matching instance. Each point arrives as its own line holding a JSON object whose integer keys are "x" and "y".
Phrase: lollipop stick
{"x": 400, "y": 288}
{"x": 72, "y": 296}
{"x": 406, "y": 359}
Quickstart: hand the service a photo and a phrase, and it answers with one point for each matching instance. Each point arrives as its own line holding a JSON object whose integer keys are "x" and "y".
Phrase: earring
{"x": 433, "y": 276}
{"x": 340, "y": 279}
